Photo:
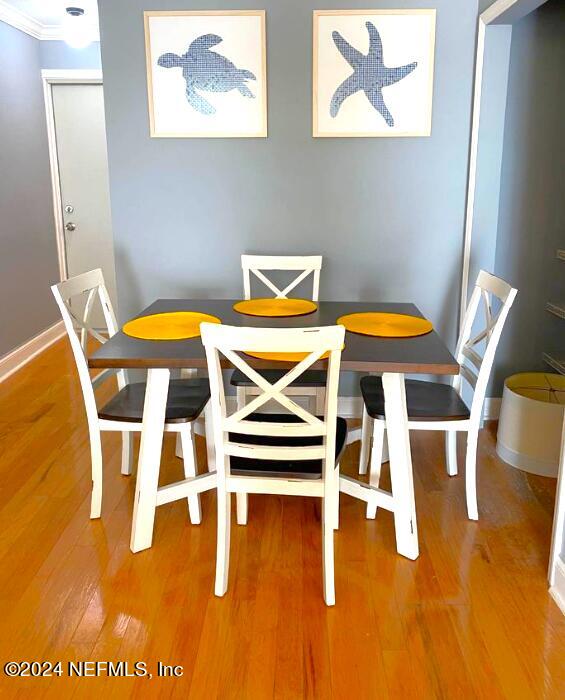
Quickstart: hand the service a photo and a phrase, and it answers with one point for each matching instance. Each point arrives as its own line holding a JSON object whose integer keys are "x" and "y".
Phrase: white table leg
{"x": 402, "y": 479}
{"x": 149, "y": 459}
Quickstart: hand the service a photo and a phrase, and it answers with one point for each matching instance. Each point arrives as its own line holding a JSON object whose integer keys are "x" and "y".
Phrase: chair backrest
{"x": 304, "y": 264}
{"x": 89, "y": 285}
{"x": 474, "y": 367}
{"x": 312, "y": 343}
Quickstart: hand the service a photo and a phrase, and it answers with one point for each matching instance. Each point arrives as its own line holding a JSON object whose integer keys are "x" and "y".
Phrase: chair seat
{"x": 310, "y": 378}
{"x": 300, "y": 469}
{"x": 425, "y": 401}
{"x": 185, "y": 402}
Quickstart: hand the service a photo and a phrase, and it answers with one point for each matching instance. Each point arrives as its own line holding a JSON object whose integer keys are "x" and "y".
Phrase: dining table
{"x": 391, "y": 357}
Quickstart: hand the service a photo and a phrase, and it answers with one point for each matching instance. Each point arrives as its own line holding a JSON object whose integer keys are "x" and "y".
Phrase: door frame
{"x": 49, "y": 78}
{"x": 507, "y": 12}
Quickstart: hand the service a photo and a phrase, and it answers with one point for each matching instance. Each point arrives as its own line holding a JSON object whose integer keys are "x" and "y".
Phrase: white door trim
{"x": 556, "y": 575}
{"x": 557, "y": 589}
{"x": 503, "y": 12}
{"x": 52, "y": 77}
{"x": 495, "y": 14}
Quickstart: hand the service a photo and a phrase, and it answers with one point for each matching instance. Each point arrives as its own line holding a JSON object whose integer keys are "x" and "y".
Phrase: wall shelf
{"x": 557, "y": 308}
{"x": 557, "y": 365}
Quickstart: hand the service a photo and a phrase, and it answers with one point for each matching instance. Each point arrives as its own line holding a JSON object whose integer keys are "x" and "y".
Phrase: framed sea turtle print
{"x": 206, "y": 73}
{"x": 373, "y": 72}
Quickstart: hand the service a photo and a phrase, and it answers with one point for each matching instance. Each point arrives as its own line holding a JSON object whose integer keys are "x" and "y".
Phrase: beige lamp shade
{"x": 531, "y": 422}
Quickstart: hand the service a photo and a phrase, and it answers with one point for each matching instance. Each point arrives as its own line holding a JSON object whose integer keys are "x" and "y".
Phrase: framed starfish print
{"x": 373, "y": 72}
{"x": 206, "y": 73}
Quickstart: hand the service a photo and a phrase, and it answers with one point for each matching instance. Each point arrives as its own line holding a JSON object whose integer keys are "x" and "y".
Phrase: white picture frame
{"x": 206, "y": 73}
{"x": 350, "y": 47}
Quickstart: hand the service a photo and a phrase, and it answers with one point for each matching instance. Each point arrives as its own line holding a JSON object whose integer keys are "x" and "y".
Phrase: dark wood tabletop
{"x": 426, "y": 354}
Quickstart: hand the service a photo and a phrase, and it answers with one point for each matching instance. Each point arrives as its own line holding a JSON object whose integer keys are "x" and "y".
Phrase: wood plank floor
{"x": 471, "y": 618}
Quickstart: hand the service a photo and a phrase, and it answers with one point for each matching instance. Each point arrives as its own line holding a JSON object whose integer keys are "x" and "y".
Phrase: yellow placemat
{"x": 284, "y": 356}
{"x": 385, "y": 325}
{"x": 275, "y": 307}
{"x": 173, "y": 325}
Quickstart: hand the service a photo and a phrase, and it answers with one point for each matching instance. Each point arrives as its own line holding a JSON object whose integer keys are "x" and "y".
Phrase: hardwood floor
{"x": 470, "y": 618}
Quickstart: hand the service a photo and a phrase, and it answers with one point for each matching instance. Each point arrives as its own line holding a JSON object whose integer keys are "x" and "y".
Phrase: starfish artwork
{"x": 369, "y": 74}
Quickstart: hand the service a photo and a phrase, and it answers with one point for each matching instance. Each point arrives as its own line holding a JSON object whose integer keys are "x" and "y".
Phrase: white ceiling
{"x": 51, "y": 12}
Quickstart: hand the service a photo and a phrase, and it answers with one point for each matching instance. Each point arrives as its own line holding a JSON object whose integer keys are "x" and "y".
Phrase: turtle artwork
{"x": 208, "y": 71}
{"x": 369, "y": 74}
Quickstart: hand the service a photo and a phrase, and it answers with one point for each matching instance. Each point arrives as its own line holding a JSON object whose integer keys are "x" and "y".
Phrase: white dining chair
{"x": 435, "y": 406}
{"x": 124, "y": 412}
{"x": 310, "y": 384}
{"x": 294, "y": 453}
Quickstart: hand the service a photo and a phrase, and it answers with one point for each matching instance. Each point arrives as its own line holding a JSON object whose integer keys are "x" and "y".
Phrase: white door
{"x": 80, "y": 134}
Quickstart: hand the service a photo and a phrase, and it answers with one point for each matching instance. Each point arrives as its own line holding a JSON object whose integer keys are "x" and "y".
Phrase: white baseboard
{"x": 19, "y": 357}
{"x": 557, "y": 591}
{"x": 347, "y": 406}
{"x": 491, "y": 409}
{"x": 352, "y": 406}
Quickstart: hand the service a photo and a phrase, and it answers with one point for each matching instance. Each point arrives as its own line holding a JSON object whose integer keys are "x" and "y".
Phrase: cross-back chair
{"x": 310, "y": 384}
{"x": 124, "y": 412}
{"x": 305, "y": 265}
{"x": 295, "y": 453}
{"x": 435, "y": 406}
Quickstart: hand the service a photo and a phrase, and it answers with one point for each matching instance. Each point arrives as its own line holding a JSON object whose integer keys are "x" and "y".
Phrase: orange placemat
{"x": 172, "y": 325}
{"x": 275, "y": 307}
{"x": 385, "y": 325}
{"x": 284, "y": 356}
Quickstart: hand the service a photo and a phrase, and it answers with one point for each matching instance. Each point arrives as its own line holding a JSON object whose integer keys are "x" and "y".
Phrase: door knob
{"x": 70, "y": 226}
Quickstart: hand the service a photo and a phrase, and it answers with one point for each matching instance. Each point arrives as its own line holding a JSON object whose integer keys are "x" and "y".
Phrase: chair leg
{"x": 328, "y": 519}
{"x": 336, "y": 498}
{"x": 127, "y": 453}
{"x": 209, "y": 435}
{"x": 451, "y": 452}
{"x": 242, "y": 508}
{"x": 223, "y": 543}
{"x": 241, "y": 498}
{"x": 366, "y": 436}
{"x": 471, "y": 474}
{"x": 241, "y": 397}
{"x": 185, "y": 373}
{"x": 96, "y": 459}
{"x": 178, "y": 447}
{"x": 189, "y": 461}
{"x": 376, "y": 463}
{"x": 312, "y": 403}
{"x": 320, "y": 400}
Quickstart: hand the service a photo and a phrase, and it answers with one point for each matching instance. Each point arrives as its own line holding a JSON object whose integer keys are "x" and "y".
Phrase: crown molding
{"x": 25, "y": 23}
{"x": 20, "y": 20}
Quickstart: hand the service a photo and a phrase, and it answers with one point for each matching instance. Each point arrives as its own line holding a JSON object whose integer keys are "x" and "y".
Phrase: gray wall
{"x": 28, "y": 258}
{"x": 387, "y": 214}
{"x": 532, "y": 206}
{"x": 57, "y": 54}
